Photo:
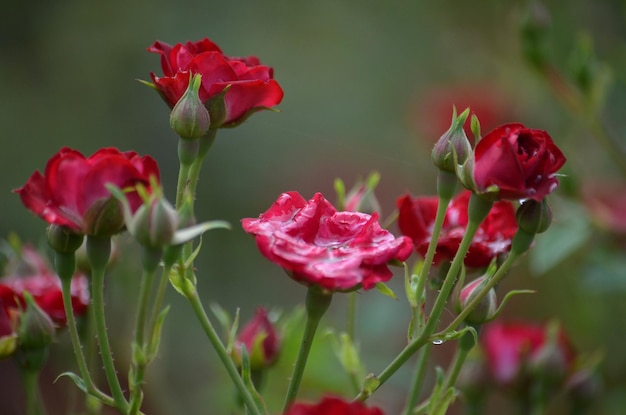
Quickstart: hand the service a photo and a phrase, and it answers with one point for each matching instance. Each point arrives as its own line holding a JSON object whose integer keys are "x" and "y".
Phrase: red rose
{"x": 251, "y": 85}
{"x": 72, "y": 190}
{"x": 46, "y": 290}
{"x": 333, "y": 406}
{"x": 521, "y": 163}
{"x": 261, "y": 341}
{"x": 317, "y": 245}
{"x": 493, "y": 237}
{"x": 510, "y": 348}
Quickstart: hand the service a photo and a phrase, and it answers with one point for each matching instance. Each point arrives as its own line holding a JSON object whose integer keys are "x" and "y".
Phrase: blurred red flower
{"x": 519, "y": 161}
{"x": 43, "y": 284}
{"x": 417, "y": 217}
{"x": 250, "y": 84}
{"x": 511, "y": 348}
{"x": 431, "y": 114}
{"x": 316, "y": 245}
{"x": 72, "y": 190}
{"x": 333, "y": 406}
{"x": 606, "y": 203}
{"x": 261, "y": 341}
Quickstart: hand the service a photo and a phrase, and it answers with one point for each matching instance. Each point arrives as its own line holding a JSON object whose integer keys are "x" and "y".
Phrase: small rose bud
{"x": 63, "y": 240}
{"x": 36, "y": 329}
{"x": 486, "y": 308}
{"x": 453, "y": 148}
{"x": 534, "y": 217}
{"x": 361, "y": 198}
{"x": 154, "y": 223}
{"x": 261, "y": 340}
{"x": 189, "y": 117}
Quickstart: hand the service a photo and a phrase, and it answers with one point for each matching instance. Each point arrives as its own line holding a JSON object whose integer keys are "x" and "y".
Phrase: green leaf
{"x": 78, "y": 381}
{"x": 155, "y": 338}
{"x": 340, "y": 190}
{"x": 385, "y": 290}
{"x": 187, "y": 234}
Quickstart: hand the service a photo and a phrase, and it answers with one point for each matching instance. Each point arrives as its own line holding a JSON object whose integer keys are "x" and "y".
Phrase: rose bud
{"x": 485, "y": 310}
{"x": 534, "y": 217}
{"x": 63, "y": 240}
{"x": 261, "y": 340}
{"x": 552, "y": 362}
{"x": 453, "y": 147}
{"x": 189, "y": 117}
{"x": 155, "y": 223}
{"x": 35, "y": 332}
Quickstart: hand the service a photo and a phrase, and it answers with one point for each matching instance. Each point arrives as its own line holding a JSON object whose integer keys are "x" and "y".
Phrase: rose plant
{"x": 330, "y": 250}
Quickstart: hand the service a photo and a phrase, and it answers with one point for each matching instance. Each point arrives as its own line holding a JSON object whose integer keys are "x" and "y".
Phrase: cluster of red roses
{"x": 325, "y": 249}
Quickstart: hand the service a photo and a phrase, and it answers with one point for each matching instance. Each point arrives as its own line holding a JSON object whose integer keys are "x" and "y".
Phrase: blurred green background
{"x": 369, "y": 85}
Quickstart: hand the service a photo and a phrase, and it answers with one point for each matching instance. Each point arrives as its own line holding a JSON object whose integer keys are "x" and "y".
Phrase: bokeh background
{"x": 369, "y": 85}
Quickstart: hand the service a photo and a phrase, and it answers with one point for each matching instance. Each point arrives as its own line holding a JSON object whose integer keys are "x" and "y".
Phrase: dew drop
{"x": 437, "y": 342}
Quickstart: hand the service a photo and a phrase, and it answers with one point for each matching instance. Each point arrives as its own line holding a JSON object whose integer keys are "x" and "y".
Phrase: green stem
{"x": 30, "y": 379}
{"x": 159, "y": 297}
{"x": 98, "y": 251}
{"x": 194, "y": 172}
{"x": 477, "y": 211}
{"x": 418, "y": 379}
{"x": 444, "y": 184}
{"x": 317, "y": 302}
{"x": 351, "y": 317}
{"x": 209, "y": 330}
{"x": 455, "y": 368}
{"x": 65, "y": 273}
{"x": 140, "y": 360}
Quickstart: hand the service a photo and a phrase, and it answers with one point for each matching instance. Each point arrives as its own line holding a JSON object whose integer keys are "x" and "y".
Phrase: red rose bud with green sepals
{"x": 487, "y": 307}
{"x": 232, "y": 88}
{"x": 333, "y": 406}
{"x": 317, "y": 245}
{"x": 261, "y": 341}
{"x": 416, "y": 218}
{"x": 514, "y": 162}
{"x": 453, "y": 148}
{"x": 189, "y": 117}
{"x": 72, "y": 191}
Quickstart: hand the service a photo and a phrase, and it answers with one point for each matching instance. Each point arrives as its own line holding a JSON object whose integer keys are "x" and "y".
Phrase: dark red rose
{"x": 512, "y": 348}
{"x": 72, "y": 191}
{"x": 251, "y": 84}
{"x": 261, "y": 341}
{"x": 517, "y": 162}
{"x": 333, "y": 406}
{"x": 315, "y": 244}
{"x": 493, "y": 237}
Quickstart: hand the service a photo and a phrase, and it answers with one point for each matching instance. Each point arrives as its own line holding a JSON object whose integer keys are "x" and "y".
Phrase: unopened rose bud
{"x": 189, "y": 117}
{"x": 453, "y": 147}
{"x": 485, "y": 310}
{"x": 154, "y": 223}
{"x": 63, "y": 240}
{"x": 534, "y": 217}
{"x": 36, "y": 329}
{"x": 261, "y": 340}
